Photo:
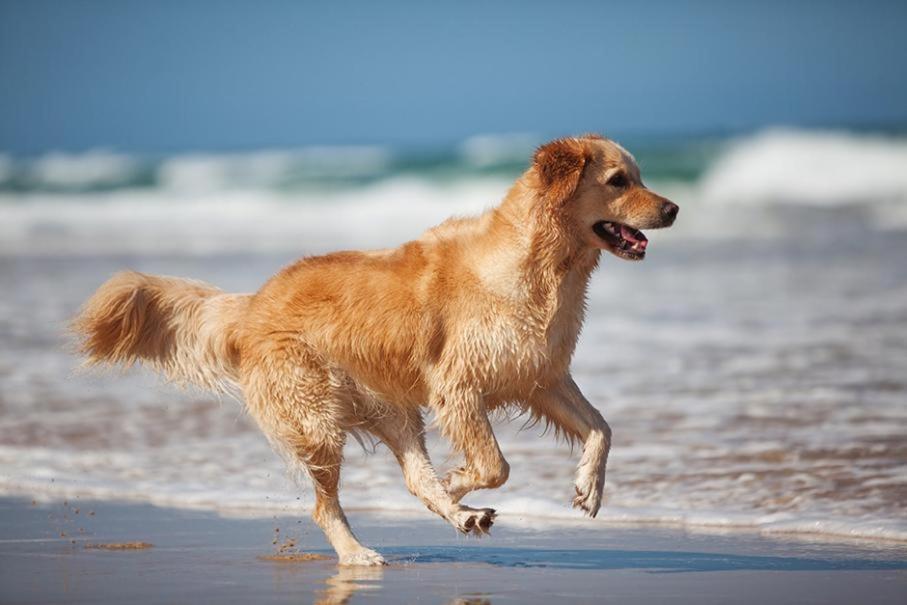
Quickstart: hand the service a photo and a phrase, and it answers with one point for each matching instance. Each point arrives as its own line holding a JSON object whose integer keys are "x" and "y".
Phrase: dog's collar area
{"x": 624, "y": 240}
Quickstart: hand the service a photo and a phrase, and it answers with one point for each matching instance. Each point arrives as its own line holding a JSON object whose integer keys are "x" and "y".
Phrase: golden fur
{"x": 476, "y": 314}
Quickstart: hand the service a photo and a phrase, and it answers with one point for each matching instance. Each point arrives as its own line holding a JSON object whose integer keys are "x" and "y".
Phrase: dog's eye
{"x": 619, "y": 180}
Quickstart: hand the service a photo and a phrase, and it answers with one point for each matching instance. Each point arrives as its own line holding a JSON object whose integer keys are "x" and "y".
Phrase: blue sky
{"x": 176, "y": 75}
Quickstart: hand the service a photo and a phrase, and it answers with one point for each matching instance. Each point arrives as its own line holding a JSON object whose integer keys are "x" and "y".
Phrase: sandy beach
{"x": 201, "y": 557}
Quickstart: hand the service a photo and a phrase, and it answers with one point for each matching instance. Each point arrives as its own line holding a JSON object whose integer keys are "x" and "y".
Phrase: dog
{"x": 476, "y": 314}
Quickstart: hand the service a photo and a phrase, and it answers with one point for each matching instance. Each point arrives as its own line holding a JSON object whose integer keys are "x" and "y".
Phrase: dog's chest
{"x": 514, "y": 353}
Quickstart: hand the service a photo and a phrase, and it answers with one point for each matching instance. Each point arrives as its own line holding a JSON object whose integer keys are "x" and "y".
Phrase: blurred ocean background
{"x": 101, "y": 201}
{"x": 753, "y": 368}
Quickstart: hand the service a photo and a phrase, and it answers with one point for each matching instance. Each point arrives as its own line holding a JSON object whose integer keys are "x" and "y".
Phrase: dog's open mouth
{"x": 625, "y": 241}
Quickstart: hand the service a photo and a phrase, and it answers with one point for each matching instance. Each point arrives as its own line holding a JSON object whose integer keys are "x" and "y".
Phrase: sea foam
{"x": 297, "y": 200}
{"x": 809, "y": 167}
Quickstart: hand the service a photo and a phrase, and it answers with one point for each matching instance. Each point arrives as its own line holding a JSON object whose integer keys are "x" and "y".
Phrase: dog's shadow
{"x": 649, "y": 560}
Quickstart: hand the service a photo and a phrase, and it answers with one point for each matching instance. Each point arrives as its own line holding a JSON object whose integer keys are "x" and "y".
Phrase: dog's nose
{"x": 670, "y": 210}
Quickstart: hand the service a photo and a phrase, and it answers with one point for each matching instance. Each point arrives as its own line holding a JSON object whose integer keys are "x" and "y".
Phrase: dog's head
{"x": 593, "y": 186}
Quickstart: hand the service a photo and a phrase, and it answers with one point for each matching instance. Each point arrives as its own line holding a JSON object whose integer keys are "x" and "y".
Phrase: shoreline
{"x": 202, "y": 556}
{"x": 613, "y": 518}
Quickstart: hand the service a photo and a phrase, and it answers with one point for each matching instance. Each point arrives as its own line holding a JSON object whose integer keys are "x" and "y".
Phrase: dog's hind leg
{"x": 404, "y": 433}
{"x": 464, "y": 420}
{"x": 324, "y": 468}
{"x": 302, "y": 410}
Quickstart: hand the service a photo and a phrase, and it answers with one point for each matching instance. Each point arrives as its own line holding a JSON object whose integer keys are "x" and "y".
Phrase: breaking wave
{"x": 103, "y": 201}
{"x": 812, "y": 168}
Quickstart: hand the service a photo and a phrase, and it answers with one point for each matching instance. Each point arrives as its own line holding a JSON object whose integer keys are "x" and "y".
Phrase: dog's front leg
{"x": 565, "y": 406}
{"x": 403, "y": 432}
{"x": 463, "y": 419}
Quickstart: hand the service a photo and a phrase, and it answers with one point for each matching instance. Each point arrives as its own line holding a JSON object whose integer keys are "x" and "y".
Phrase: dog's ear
{"x": 559, "y": 165}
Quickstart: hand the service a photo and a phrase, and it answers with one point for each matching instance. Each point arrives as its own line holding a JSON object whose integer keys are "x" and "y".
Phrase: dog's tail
{"x": 184, "y": 329}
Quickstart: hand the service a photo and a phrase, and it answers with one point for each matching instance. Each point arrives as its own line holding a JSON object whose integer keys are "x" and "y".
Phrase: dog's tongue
{"x": 633, "y": 236}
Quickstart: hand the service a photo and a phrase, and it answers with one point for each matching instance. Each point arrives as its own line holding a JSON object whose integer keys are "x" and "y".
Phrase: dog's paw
{"x": 363, "y": 557}
{"x": 590, "y": 484}
{"x": 590, "y": 474}
{"x": 475, "y": 521}
{"x": 588, "y": 502}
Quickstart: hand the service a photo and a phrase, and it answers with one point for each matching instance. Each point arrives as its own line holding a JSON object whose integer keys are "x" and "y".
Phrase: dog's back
{"x": 375, "y": 314}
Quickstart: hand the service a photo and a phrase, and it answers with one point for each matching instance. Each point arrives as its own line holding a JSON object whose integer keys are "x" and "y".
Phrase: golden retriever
{"x": 477, "y": 313}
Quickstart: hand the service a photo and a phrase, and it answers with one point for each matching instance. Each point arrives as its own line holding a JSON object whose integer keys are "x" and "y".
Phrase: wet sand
{"x": 200, "y": 557}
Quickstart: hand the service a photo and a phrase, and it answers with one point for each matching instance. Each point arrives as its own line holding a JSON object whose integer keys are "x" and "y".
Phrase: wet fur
{"x": 476, "y": 315}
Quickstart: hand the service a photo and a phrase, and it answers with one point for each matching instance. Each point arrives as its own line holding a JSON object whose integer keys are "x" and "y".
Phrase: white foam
{"x": 252, "y": 494}
{"x": 283, "y": 199}
{"x": 193, "y": 218}
{"x": 268, "y": 169}
{"x": 488, "y": 150}
{"x": 809, "y": 167}
{"x": 81, "y": 170}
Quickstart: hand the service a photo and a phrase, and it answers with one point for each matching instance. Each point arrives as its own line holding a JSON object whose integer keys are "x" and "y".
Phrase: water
{"x": 753, "y": 368}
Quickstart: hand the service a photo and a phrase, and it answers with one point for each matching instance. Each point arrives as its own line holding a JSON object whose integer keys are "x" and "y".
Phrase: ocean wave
{"x": 490, "y": 150}
{"x": 809, "y": 167}
{"x": 308, "y": 168}
{"x": 293, "y": 200}
{"x": 188, "y": 221}
{"x": 102, "y": 170}
{"x": 778, "y": 166}
{"x": 76, "y": 171}
{"x": 263, "y": 170}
